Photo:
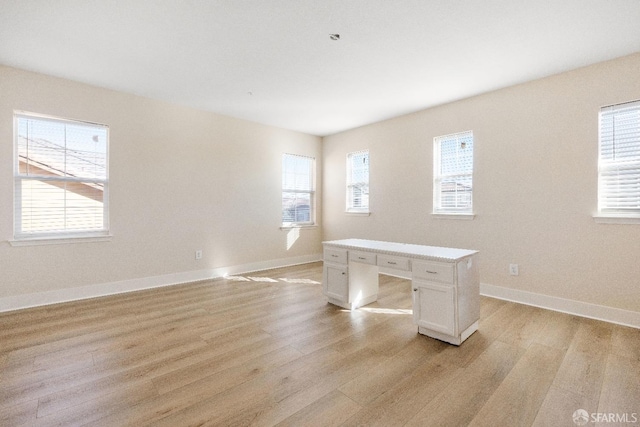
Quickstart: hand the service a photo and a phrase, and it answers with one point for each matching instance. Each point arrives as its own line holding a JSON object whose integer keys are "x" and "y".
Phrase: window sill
{"x": 356, "y": 213}
{"x": 289, "y": 227}
{"x": 613, "y": 219}
{"x": 466, "y": 217}
{"x": 63, "y": 240}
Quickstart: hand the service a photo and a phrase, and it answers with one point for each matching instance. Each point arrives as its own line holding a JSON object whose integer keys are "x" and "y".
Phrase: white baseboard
{"x": 583, "y": 309}
{"x": 18, "y": 302}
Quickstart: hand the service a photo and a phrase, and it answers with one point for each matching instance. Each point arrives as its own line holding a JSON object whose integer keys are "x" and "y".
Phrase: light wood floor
{"x": 266, "y": 349}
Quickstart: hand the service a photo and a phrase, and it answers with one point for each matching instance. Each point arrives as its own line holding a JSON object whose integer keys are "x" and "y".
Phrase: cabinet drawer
{"x": 435, "y": 271}
{"x": 335, "y": 255}
{"x": 363, "y": 257}
{"x": 393, "y": 262}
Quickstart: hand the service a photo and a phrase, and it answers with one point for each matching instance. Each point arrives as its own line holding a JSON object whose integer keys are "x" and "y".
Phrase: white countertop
{"x": 403, "y": 249}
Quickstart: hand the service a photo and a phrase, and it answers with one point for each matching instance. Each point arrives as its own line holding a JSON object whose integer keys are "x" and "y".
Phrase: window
{"x": 297, "y": 190}
{"x": 619, "y": 161}
{"x": 453, "y": 174}
{"x": 60, "y": 178}
{"x": 358, "y": 181}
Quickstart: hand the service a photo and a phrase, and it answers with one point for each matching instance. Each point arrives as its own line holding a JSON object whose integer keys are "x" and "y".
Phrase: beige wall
{"x": 535, "y": 185}
{"x": 180, "y": 180}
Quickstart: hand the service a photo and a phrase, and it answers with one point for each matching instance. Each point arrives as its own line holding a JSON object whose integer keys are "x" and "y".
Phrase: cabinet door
{"x": 434, "y": 307}
{"x": 336, "y": 281}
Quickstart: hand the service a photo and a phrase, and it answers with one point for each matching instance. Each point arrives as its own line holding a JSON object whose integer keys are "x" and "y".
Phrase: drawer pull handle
{"x": 391, "y": 262}
{"x": 335, "y": 256}
{"x": 361, "y": 257}
{"x": 415, "y": 289}
{"x": 432, "y": 272}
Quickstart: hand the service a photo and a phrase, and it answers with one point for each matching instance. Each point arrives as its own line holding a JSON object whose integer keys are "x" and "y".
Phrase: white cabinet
{"x": 446, "y": 298}
{"x": 434, "y": 295}
{"x": 434, "y": 306}
{"x": 335, "y": 278}
{"x": 335, "y": 274}
{"x": 445, "y": 282}
{"x": 348, "y": 279}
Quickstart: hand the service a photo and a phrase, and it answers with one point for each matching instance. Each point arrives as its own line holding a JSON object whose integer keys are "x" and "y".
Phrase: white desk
{"x": 445, "y": 282}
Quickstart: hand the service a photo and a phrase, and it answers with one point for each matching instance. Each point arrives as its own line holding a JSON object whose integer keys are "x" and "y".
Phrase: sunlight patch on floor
{"x": 386, "y": 310}
{"x": 305, "y": 281}
{"x": 270, "y": 280}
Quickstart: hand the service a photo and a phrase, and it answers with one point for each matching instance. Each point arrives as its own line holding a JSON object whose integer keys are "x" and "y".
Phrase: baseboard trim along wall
{"x": 18, "y": 302}
{"x": 583, "y": 309}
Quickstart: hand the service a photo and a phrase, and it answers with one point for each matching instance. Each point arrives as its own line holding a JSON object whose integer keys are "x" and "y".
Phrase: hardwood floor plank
{"x": 592, "y": 337}
{"x": 97, "y": 335}
{"x": 625, "y": 342}
{"x": 410, "y": 395}
{"x": 154, "y": 363}
{"x": 385, "y": 333}
{"x": 243, "y": 403}
{"x": 344, "y": 370}
{"x": 558, "y": 408}
{"x": 578, "y": 382}
{"x": 459, "y": 403}
{"x": 621, "y": 387}
{"x": 222, "y": 361}
{"x": 526, "y": 328}
{"x": 29, "y": 388}
{"x": 342, "y": 326}
{"x": 488, "y": 306}
{"x": 559, "y": 330}
{"x": 582, "y": 372}
{"x": 176, "y": 401}
{"x": 81, "y": 403}
{"x": 369, "y": 386}
{"x": 12, "y": 367}
{"x": 519, "y": 397}
{"x": 22, "y": 414}
{"x": 62, "y": 358}
{"x": 131, "y": 352}
{"x": 295, "y": 323}
{"x": 331, "y": 410}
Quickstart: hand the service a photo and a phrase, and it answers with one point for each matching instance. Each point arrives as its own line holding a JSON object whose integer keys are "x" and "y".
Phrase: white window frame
{"x": 619, "y": 177}
{"x": 288, "y": 190}
{"x": 353, "y": 185}
{"x": 62, "y": 235}
{"x": 440, "y": 211}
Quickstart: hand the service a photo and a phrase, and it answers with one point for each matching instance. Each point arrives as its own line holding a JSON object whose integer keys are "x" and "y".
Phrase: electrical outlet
{"x": 513, "y": 269}
{"x": 199, "y": 254}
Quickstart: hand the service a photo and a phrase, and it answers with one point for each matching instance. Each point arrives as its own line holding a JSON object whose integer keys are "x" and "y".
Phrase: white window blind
{"x": 453, "y": 173}
{"x": 298, "y": 195}
{"x": 619, "y": 160}
{"x": 358, "y": 181}
{"x": 60, "y": 177}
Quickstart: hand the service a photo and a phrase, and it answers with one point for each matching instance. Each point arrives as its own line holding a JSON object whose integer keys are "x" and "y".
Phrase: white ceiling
{"x": 272, "y": 61}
